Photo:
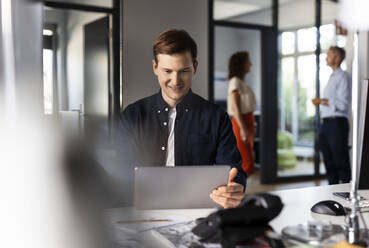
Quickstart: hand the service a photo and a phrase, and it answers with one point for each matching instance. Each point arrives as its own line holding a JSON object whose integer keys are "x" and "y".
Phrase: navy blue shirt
{"x": 203, "y": 134}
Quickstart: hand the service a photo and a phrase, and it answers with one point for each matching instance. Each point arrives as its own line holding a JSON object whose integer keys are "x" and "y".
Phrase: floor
{"x": 254, "y": 186}
{"x": 303, "y": 167}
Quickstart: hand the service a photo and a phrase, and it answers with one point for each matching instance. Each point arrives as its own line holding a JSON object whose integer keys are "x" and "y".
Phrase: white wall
{"x": 143, "y": 20}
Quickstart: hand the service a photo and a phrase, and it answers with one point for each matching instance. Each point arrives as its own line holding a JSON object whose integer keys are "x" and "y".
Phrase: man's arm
{"x": 227, "y": 151}
{"x": 319, "y": 101}
{"x": 229, "y": 195}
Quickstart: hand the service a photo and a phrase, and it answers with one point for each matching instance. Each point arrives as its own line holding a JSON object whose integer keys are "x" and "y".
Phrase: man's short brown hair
{"x": 173, "y": 41}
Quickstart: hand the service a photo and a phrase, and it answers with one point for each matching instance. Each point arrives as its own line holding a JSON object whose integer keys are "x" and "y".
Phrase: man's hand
{"x": 318, "y": 101}
{"x": 230, "y": 195}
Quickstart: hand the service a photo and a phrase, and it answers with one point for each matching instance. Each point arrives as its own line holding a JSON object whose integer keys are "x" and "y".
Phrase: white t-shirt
{"x": 247, "y": 96}
{"x": 170, "y": 161}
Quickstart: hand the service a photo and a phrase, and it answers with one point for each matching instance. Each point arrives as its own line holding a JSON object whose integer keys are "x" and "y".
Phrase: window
{"x": 298, "y": 83}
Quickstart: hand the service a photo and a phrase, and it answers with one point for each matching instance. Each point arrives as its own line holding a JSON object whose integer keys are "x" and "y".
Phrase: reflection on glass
{"x": 244, "y": 11}
{"x": 306, "y": 39}
{"x": 48, "y": 80}
{"x": 288, "y": 43}
{"x": 306, "y": 110}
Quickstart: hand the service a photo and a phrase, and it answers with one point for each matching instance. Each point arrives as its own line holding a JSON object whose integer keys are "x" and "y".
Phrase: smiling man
{"x": 177, "y": 127}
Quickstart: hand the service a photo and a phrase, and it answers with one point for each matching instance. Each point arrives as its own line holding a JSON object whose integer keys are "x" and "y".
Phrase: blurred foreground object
{"x": 41, "y": 205}
{"x": 244, "y": 223}
{"x": 354, "y": 16}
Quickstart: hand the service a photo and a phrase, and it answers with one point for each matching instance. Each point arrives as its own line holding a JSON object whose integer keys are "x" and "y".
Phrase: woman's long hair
{"x": 237, "y": 64}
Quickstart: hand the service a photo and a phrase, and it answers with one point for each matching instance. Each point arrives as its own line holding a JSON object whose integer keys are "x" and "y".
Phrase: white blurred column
{"x": 36, "y": 208}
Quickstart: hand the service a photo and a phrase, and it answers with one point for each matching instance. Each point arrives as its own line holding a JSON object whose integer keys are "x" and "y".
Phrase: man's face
{"x": 332, "y": 58}
{"x": 174, "y": 74}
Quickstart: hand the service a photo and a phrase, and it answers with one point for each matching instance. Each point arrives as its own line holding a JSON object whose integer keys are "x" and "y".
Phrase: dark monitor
{"x": 364, "y": 167}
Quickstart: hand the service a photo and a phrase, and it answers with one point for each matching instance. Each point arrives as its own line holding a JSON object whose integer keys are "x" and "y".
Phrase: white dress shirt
{"x": 170, "y": 160}
{"x": 338, "y": 93}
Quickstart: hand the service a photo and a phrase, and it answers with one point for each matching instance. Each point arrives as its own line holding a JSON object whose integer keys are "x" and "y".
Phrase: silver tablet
{"x": 177, "y": 187}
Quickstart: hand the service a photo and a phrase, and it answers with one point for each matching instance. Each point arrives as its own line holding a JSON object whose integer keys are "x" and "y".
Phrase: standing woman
{"x": 241, "y": 104}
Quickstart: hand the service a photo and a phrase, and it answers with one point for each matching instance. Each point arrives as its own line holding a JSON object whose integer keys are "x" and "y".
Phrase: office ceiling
{"x": 225, "y": 9}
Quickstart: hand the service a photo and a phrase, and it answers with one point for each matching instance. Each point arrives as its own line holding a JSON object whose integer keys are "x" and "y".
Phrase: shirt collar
{"x": 163, "y": 106}
{"x": 338, "y": 70}
{"x": 186, "y": 101}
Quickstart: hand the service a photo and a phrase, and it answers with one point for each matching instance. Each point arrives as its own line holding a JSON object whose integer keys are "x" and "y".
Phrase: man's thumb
{"x": 232, "y": 175}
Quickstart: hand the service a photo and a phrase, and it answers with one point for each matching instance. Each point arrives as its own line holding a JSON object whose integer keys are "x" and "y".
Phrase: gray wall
{"x": 143, "y": 20}
{"x": 21, "y": 74}
{"x": 75, "y": 55}
{"x": 229, "y": 41}
{"x": 29, "y": 88}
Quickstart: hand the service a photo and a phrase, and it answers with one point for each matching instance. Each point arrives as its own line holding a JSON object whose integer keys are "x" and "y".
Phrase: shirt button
{"x": 163, "y": 148}
{"x": 166, "y": 109}
{"x": 186, "y": 110}
{"x": 165, "y": 123}
{"x": 158, "y": 111}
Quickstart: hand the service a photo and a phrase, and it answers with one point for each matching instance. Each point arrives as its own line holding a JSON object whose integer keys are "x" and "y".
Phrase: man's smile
{"x": 177, "y": 88}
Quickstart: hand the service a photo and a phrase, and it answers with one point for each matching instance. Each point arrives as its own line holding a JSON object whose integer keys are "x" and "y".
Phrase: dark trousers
{"x": 333, "y": 142}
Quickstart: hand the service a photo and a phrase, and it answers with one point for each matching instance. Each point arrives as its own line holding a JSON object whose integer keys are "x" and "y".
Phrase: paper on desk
{"x": 142, "y": 222}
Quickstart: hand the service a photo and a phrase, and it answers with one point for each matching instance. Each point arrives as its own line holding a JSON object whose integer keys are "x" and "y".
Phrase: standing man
{"x": 335, "y": 106}
{"x": 177, "y": 127}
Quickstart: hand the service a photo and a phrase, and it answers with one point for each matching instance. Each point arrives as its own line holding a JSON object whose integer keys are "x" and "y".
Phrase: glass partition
{"x": 77, "y": 70}
{"x": 295, "y": 139}
{"x": 297, "y": 86}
